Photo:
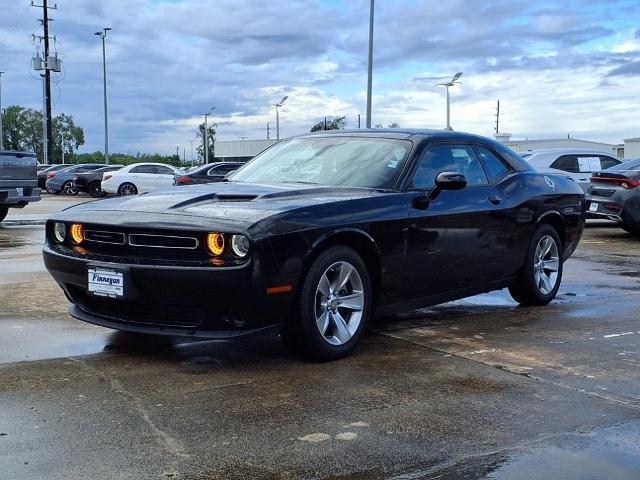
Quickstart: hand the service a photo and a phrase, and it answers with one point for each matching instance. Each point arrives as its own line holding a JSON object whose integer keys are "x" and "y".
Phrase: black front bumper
{"x": 205, "y": 302}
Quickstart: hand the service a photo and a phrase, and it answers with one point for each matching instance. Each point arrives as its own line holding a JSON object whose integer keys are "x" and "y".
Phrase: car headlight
{"x": 240, "y": 245}
{"x": 76, "y": 233}
{"x": 215, "y": 243}
{"x": 59, "y": 232}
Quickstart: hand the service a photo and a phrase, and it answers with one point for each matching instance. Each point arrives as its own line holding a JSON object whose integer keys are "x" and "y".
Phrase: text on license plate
{"x": 20, "y": 192}
{"x": 593, "y": 207}
{"x": 105, "y": 283}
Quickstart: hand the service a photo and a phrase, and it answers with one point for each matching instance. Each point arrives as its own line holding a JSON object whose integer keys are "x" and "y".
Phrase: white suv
{"x": 580, "y": 163}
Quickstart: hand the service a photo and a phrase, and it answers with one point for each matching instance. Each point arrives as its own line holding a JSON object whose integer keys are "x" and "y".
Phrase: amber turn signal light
{"x": 215, "y": 243}
{"x": 77, "y": 233}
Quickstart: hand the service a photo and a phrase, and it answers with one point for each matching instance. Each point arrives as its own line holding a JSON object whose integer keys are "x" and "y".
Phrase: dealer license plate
{"x": 593, "y": 207}
{"x": 105, "y": 282}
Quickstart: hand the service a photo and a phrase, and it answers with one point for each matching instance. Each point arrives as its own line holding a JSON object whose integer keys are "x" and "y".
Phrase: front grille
{"x": 162, "y": 241}
{"x": 156, "y": 312}
{"x": 100, "y": 236}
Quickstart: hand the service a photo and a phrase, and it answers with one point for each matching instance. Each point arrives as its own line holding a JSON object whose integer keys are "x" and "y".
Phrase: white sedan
{"x": 138, "y": 178}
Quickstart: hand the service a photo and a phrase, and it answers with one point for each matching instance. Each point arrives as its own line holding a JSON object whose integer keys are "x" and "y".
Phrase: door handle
{"x": 495, "y": 199}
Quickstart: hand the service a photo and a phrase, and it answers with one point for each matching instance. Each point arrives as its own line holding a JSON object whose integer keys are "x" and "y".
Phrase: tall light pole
{"x": 278, "y": 105}
{"x": 206, "y": 136}
{"x": 103, "y": 34}
{"x": 450, "y": 83}
{"x": 370, "y": 69}
{"x": 1, "y": 144}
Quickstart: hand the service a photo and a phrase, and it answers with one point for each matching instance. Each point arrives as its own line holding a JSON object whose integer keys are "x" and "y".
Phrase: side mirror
{"x": 447, "y": 181}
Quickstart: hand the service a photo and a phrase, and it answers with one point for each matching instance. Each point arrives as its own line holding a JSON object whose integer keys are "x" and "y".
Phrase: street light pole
{"x": 1, "y": 144}
{"x": 450, "y": 83}
{"x": 62, "y": 145}
{"x": 103, "y": 34}
{"x": 206, "y": 135}
{"x": 370, "y": 69}
{"x": 278, "y": 105}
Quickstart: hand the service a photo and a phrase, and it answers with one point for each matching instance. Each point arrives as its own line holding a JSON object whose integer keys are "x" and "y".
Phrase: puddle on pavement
{"x": 611, "y": 452}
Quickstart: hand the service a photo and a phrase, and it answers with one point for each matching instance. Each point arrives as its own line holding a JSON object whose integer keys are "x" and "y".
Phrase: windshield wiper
{"x": 301, "y": 182}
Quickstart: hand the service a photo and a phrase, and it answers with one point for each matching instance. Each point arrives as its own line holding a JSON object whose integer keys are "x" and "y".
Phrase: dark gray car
{"x": 62, "y": 180}
{"x": 615, "y": 194}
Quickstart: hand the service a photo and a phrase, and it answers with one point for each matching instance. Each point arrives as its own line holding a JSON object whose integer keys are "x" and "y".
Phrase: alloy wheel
{"x": 339, "y": 303}
{"x": 69, "y": 189}
{"x": 127, "y": 189}
{"x": 546, "y": 265}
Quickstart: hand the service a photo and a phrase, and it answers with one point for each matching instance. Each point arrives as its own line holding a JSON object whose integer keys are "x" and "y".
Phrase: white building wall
{"x": 631, "y": 148}
{"x": 241, "y": 148}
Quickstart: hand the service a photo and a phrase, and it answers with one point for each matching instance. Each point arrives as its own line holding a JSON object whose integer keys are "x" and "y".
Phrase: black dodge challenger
{"x": 317, "y": 235}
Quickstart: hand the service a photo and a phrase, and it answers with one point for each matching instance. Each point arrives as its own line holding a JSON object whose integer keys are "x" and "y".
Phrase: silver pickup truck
{"x": 18, "y": 180}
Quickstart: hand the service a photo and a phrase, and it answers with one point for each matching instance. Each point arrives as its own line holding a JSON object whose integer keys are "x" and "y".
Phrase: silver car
{"x": 615, "y": 194}
{"x": 579, "y": 163}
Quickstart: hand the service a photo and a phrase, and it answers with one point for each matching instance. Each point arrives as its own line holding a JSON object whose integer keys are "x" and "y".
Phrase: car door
{"x": 162, "y": 177}
{"x": 451, "y": 244}
{"x": 141, "y": 176}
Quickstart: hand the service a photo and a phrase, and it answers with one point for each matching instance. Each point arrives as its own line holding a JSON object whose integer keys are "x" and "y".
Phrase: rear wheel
{"x": 333, "y": 307}
{"x": 95, "y": 190}
{"x": 632, "y": 228}
{"x": 69, "y": 189}
{"x": 540, "y": 277}
{"x": 3, "y": 213}
{"x": 127, "y": 189}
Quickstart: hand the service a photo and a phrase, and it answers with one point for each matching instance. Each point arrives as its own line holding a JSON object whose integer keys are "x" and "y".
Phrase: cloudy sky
{"x": 558, "y": 67}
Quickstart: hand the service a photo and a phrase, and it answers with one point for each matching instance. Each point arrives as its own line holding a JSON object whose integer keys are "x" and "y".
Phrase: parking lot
{"x": 478, "y": 388}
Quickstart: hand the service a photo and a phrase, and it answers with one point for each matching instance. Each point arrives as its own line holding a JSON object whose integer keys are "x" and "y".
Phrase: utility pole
{"x": 358, "y": 120}
{"x": 268, "y": 131}
{"x": 103, "y": 34}
{"x": 370, "y": 69}
{"x": 62, "y": 145}
{"x": 498, "y": 118}
{"x": 1, "y": 144}
{"x": 191, "y": 141}
{"x": 178, "y": 153}
{"x": 45, "y": 153}
{"x": 47, "y": 76}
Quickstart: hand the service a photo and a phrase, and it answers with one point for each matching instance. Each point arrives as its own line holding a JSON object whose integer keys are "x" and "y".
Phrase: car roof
{"x": 150, "y": 163}
{"x": 565, "y": 151}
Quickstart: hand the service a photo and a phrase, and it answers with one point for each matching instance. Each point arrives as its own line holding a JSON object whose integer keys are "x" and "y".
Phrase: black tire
{"x": 68, "y": 188}
{"x": 3, "y": 213}
{"x": 526, "y": 290}
{"x": 127, "y": 189}
{"x": 95, "y": 190}
{"x": 302, "y": 333}
{"x": 632, "y": 228}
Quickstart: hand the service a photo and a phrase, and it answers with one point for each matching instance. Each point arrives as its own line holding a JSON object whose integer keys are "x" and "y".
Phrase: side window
{"x": 494, "y": 167}
{"x": 608, "y": 161}
{"x": 217, "y": 170}
{"x": 448, "y": 158}
{"x": 143, "y": 169}
{"x": 589, "y": 163}
{"x": 163, "y": 170}
{"x": 566, "y": 163}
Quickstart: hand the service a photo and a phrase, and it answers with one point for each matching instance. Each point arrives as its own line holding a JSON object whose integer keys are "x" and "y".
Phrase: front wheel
{"x": 333, "y": 307}
{"x": 540, "y": 277}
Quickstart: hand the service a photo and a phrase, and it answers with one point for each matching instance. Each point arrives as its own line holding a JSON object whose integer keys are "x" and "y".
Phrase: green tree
{"x": 22, "y": 130}
{"x": 211, "y": 140}
{"x": 330, "y": 123}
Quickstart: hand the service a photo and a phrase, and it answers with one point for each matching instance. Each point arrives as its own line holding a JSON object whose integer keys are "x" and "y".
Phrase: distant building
{"x": 241, "y": 150}
{"x": 524, "y": 145}
{"x": 632, "y": 148}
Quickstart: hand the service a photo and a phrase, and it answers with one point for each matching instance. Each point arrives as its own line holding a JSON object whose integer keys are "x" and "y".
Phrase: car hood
{"x": 229, "y": 203}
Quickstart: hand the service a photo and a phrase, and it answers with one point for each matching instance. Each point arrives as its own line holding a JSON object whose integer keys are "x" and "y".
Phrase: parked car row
{"x": 99, "y": 180}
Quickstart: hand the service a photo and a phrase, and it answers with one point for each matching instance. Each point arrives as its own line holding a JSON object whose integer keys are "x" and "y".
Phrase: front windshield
{"x": 329, "y": 161}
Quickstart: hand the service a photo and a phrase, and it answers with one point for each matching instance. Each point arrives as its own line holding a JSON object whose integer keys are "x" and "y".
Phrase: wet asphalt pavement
{"x": 476, "y": 389}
